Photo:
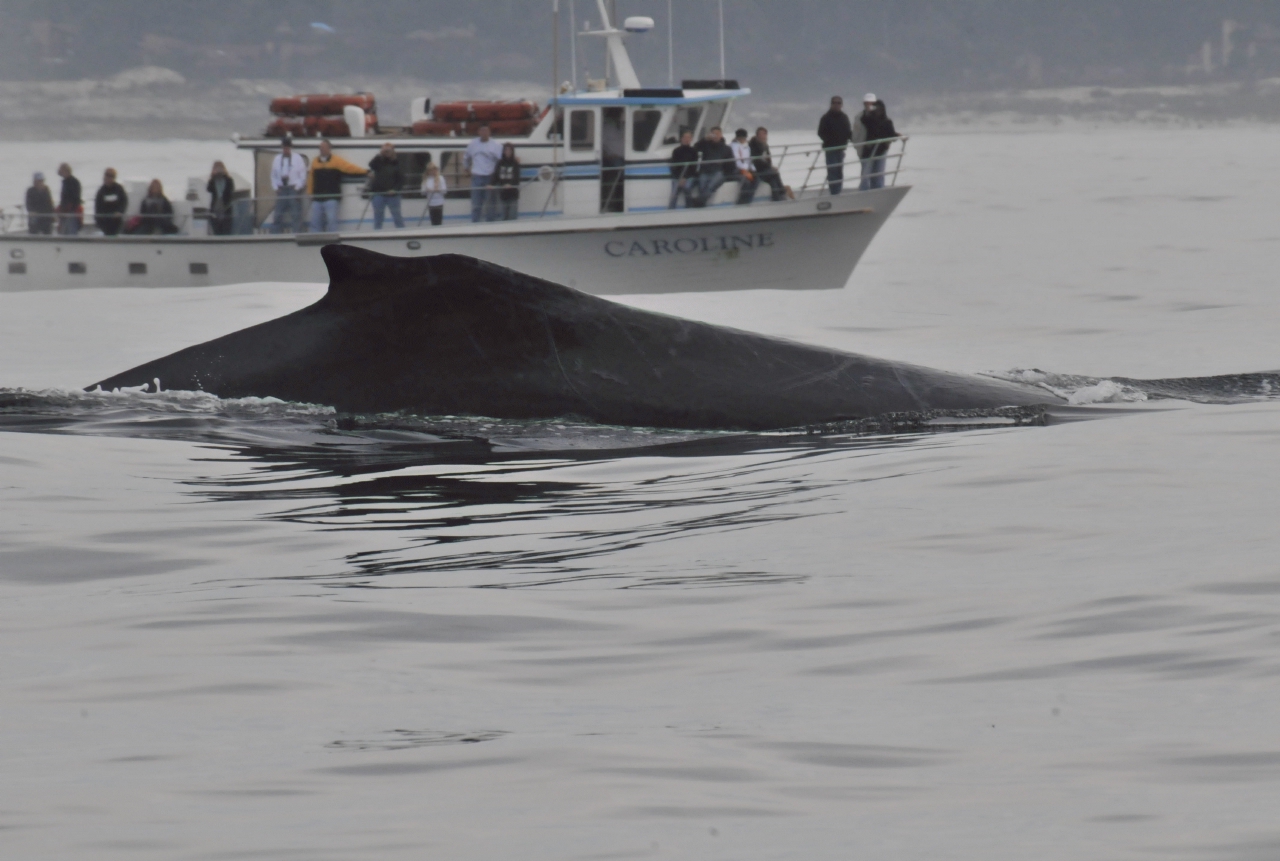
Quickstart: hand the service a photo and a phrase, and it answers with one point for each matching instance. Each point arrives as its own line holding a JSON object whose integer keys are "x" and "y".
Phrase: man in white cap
{"x": 872, "y": 124}
{"x": 859, "y": 130}
{"x": 288, "y": 178}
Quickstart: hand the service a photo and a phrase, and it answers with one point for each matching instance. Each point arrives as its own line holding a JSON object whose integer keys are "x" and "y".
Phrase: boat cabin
{"x": 592, "y": 151}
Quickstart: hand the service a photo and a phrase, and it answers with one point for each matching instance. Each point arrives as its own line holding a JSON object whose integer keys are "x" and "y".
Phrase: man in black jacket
{"x": 762, "y": 160}
{"x": 835, "y": 131}
{"x": 110, "y": 204}
{"x": 71, "y": 204}
{"x": 385, "y": 181}
{"x": 39, "y": 206}
{"x": 684, "y": 172}
{"x": 716, "y": 163}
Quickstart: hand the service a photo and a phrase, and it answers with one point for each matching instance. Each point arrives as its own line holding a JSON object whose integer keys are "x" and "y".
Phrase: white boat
{"x": 593, "y": 207}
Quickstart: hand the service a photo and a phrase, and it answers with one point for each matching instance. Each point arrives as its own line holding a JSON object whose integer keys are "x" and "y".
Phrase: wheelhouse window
{"x": 685, "y": 119}
{"x": 715, "y": 113}
{"x": 643, "y": 125}
{"x": 582, "y": 130}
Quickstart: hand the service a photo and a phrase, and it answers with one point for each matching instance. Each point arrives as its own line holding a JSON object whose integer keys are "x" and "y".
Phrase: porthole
{"x": 137, "y": 269}
{"x": 17, "y": 253}
{"x": 198, "y": 268}
{"x": 824, "y": 205}
{"x": 17, "y": 269}
{"x": 413, "y": 244}
{"x": 77, "y": 269}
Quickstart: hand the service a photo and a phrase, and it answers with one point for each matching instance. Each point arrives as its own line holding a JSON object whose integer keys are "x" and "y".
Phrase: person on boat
{"x": 109, "y": 204}
{"x": 222, "y": 189}
{"x": 288, "y": 178}
{"x": 70, "y": 203}
{"x": 743, "y": 168}
{"x": 762, "y": 160}
{"x": 684, "y": 172}
{"x": 386, "y": 178}
{"x": 39, "y": 206}
{"x": 324, "y": 184}
{"x": 155, "y": 216}
{"x": 836, "y": 132}
{"x": 481, "y": 158}
{"x": 506, "y": 176}
{"x": 875, "y": 126}
{"x": 433, "y": 189}
{"x": 716, "y": 164}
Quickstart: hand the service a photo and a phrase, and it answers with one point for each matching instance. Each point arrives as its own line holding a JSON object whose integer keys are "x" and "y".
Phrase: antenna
{"x": 671, "y": 68}
{"x": 573, "y": 46}
{"x": 720, "y": 3}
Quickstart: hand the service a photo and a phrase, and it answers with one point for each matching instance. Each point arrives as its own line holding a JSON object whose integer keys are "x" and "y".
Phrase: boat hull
{"x": 807, "y": 244}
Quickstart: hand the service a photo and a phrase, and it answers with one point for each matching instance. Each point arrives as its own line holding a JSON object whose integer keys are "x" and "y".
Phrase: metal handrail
{"x": 811, "y": 157}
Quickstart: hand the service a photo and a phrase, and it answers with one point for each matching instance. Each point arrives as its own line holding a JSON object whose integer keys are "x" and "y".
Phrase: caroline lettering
{"x": 728, "y": 244}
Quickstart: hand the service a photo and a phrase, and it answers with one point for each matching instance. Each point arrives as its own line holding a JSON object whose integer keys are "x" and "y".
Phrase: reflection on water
{"x": 494, "y": 503}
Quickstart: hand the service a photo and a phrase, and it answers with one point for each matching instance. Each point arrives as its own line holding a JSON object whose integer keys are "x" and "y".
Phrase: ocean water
{"x": 252, "y": 629}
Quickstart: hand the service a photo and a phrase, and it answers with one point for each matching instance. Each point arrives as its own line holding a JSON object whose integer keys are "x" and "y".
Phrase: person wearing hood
{"x": 39, "y": 206}
{"x": 109, "y": 204}
{"x": 873, "y": 124}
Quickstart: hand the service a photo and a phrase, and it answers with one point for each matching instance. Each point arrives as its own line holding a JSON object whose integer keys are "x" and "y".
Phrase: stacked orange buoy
{"x": 504, "y": 119}
{"x": 319, "y": 115}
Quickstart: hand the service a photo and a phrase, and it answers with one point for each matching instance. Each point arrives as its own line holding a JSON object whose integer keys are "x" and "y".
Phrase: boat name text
{"x": 686, "y": 245}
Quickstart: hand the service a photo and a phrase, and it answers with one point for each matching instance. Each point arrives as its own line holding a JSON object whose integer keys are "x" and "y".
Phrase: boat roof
{"x": 648, "y": 96}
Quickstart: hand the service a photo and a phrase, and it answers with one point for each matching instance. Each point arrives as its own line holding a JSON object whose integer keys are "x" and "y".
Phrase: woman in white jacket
{"x": 433, "y": 189}
{"x": 747, "y": 180}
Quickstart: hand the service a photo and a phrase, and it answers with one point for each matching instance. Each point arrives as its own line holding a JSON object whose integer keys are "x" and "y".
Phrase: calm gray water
{"x": 248, "y": 629}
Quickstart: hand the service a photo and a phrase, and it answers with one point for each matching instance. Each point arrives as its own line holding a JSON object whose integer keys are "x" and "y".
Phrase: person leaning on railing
{"x": 684, "y": 172}
{"x": 386, "y": 178}
{"x": 324, "y": 184}
{"x": 873, "y": 125}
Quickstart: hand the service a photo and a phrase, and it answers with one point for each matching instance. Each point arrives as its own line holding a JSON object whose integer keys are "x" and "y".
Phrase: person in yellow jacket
{"x": 324, "y": 184}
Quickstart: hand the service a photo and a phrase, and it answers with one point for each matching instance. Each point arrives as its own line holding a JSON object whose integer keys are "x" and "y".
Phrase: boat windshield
{"x": 685, "y": 119}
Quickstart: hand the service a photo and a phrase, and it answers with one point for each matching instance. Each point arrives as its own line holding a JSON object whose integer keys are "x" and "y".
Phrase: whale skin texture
{"x": 453, "y": 335}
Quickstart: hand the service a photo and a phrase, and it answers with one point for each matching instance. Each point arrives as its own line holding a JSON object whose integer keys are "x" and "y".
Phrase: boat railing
{"x": 803, "y": 170}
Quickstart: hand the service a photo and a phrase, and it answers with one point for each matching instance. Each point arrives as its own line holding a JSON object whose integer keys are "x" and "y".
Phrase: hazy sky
{"x": 778, "y": 47}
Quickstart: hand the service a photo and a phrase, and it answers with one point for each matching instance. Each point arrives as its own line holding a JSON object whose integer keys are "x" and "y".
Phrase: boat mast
{"x": 617, "y": 52}
{"x": 671, "y": 66}
{"x": 573, "y": 46}
{"x": 720, "y": 3}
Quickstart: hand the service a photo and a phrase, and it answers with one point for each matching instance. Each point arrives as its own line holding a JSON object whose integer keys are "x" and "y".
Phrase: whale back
{"x": 451, "y": 335}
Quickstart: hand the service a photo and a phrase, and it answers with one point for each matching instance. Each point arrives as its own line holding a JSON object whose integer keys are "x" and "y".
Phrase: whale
{"x": 450, "y": 335}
